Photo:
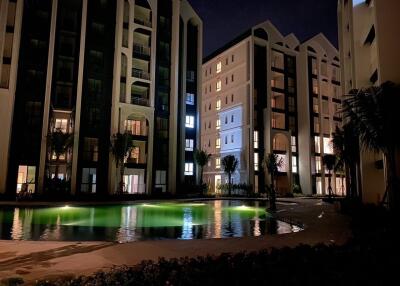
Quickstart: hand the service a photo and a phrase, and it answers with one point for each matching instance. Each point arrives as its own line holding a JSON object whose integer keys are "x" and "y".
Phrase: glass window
{"x": 219, "y": 85}
{"x": 217, "y": 163}
{"x": 189, "y": 121}
{"x": 232, "y": 138}
{"x": 26, "y": 179}
{"x": 61, "y": 125}
{"x": 218, "y": 143}
{"x": 255, "y": 139}
{"x": 328, "y": 146}
{"x": 277, "y": 80}
{"x": 189, "y": 144}
{"x": 256, "y": 162}
{"x": 315, "y": 105}
{"x": 293, "y": 144}
{"x": 218, "y": 106}
{"x": 315, "y": 86}
{"x": 318, "y": 164}
{"x": 277, "y": 60}
{"x": 188, "y": 169}
{"x": 190, "y": 98}
{"x": 294, "y": 164}
{"x": 219, "y": 67}
{"x": 218, "y": 124}
{"x": 90, "y": 149}
{"x": 88, "y": 180}
{"x": 317, "y": 144}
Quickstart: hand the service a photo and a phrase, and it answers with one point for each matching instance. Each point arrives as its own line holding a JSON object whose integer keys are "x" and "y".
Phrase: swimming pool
{"x": 142, "y": 221}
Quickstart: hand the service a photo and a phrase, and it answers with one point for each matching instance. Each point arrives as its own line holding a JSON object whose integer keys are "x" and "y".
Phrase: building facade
{"x": 81, "y": 71}
{"x": 257, "y": 98}
{"x": 369, "y": 47}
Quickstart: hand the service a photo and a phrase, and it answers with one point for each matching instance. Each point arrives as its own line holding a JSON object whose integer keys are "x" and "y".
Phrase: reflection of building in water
{"x": 218, "y": 219}
{"x": 21, "y": 228}
{"x": 187, "y": 228}
{"x": 127, "y": 231}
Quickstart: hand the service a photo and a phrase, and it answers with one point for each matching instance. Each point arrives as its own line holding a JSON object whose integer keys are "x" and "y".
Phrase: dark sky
{"x": 225, "y": 19}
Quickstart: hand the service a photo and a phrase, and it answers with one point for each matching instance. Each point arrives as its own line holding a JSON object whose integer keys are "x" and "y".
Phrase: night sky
{"x": 223, "y": 20}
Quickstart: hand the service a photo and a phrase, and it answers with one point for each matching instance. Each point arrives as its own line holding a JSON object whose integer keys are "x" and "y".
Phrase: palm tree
{"x": 374, "y": 114}
{"x": 230, "y": 163}
{"x": 201, "y": 158}
{"x": 121, "y": 146}
{"x": 59, "y": 143}
{"x": 272, "y": 163}
{"x": 329, "y": 162}
{"x": 346, "y": 148}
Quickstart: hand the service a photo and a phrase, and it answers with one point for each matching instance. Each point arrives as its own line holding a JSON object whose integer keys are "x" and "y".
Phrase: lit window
{"x": 219, "y": 67}
{"x": 218, "y": 143}
{"x": 255, "y": 139}
{"x": 61, "y": 125}
{"x": 317, "y": 144}
{"x": 218, "y": 126}
{"x": 217, "y": 163}
{"x": 294, "y": 164}
{"x": 218, "y": 107}
{"x": 318, "y": 164}
{"x": 293, "y": 143}
{"x": 219, "y": 85}
{"x": 26, "y": 178}
{"x": 328, "y": 146}
{"x": 189, "y": 145}
{"x": 190, "y": 98}
{"x": 189, "y": 121}
{"x": 256, "y": 161}
{"x": 188, "y": 169}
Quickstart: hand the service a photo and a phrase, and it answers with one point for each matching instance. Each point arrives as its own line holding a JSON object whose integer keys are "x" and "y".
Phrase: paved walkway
{"x": 38, "y": 260}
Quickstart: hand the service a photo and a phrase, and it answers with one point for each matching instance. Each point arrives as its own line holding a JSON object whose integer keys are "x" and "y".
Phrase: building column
{"x": 47, "y": 101}
{"x": 7, "y": 96}
{"x": 173, "y": 119}
{"x": 78, "y": 104}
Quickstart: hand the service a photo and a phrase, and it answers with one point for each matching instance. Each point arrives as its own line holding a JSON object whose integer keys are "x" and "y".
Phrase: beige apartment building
{"x": 264, "y": 92}
{"x": 90, "y": 69}
{"x": 369, "y": 44}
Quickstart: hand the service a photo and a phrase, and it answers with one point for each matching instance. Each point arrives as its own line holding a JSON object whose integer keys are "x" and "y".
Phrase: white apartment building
{"x": 257, "y": 97}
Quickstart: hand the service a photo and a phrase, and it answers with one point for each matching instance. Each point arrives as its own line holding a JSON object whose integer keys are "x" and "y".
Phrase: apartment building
{"x": 369, "y": 44}
{"x": 319, "y": 105}
{"x": 90, "y": 69}
{"x": 257, "y": 98}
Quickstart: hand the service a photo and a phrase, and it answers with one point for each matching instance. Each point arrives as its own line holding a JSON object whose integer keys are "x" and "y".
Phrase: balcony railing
{"x": 143, "y": 22}
{"x": 141, "y": 50}
{"x": 139, "y": 100}
{"x": 140, "y": 74}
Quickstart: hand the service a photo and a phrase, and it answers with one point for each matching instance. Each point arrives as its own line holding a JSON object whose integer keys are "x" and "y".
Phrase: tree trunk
{"x": 272, "y": 197}
{"x": 392, "y": 181}
{"x": 330, "y": 185}
{"x": 229, "y": 185}
{"x": 121, "y": 183}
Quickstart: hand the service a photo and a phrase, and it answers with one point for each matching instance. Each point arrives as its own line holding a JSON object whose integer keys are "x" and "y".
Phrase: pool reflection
{"x": 124, "y": 223}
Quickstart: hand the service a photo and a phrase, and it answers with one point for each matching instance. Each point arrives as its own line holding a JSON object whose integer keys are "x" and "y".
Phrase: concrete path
{"x": 34, "y": 260}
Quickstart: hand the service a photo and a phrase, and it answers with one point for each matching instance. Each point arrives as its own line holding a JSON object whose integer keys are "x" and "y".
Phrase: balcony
{"x": 140, "y": 74}
{"x": 137, "y": 100}
{"x": 141, "y": 50}
{"x": 143, "y": 22}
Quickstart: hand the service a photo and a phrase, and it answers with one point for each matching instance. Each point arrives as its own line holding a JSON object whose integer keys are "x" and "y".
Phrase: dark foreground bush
{"x": 351, "y": 264}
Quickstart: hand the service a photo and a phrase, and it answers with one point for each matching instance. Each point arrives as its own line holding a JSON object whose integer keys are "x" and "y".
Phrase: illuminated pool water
{"x": 195, "y": 220}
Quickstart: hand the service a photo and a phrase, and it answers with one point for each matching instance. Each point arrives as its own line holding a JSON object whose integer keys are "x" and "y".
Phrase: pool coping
{"x": 126, "y": 202}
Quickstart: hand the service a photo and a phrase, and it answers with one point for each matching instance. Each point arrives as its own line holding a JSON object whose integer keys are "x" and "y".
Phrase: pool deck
{"x": 34, "y": 260}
